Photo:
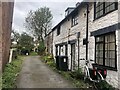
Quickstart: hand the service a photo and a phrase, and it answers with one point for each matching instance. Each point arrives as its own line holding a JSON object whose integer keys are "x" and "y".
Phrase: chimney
{"x": 77, "y": 4}
{"x": 69, "y": 10}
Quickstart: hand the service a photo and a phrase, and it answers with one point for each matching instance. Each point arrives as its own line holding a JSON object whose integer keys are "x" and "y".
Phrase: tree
{"x": 39, "y": 22}
{"x": 15, "y": 36}
{"x": 26, "y": 41}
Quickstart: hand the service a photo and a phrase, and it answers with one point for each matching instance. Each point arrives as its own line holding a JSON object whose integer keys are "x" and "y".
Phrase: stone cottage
{"x": 90, "y": 31}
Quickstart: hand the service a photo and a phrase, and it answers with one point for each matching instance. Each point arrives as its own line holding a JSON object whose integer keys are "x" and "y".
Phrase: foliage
{"x": 77, "y": 74}
{"x": 103, "y": 85}
{"x": 39, "y": 22}
{"x": 0, "y": 82}
{"x": 67, "y": 75}
{"x": 79, "y": 83}
{"x": 10, "y": 73}
{"x": 25, "y": 42}
{"x": 49, "y": 61}
{"x": 15, "y": 36}
{"x": 41, "y": 48}
{"x": 33, "y": 54}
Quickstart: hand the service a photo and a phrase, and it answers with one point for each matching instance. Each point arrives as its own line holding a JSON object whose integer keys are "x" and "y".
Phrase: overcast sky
{"x": 57, "y": 8}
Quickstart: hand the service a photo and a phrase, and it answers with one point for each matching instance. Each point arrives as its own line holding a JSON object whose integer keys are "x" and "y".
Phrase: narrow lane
{"x": 35, "y": 74}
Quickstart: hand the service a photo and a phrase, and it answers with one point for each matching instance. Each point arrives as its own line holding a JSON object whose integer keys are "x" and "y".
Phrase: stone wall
{"x": 49, "y": 43}
{"x": 70, "y": 33}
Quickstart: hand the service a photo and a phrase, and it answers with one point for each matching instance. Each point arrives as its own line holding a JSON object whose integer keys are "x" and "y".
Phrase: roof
{"x": 83, "y": 3}
{"x": 70, "y": 8}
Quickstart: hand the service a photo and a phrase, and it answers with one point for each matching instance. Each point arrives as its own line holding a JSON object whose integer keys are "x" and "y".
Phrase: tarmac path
{"x": 36, "y": 74}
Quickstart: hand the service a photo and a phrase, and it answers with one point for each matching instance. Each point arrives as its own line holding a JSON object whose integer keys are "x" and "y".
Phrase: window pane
{"x": 107, "y": 3}
{"x": 100, "y": 46}
{"x": 113, "y": 63}
{"x": 109, "y": 6}
{"x": 101, "y": 12}
{"x": 112, "y": 46}
{"x": 106, "y": 54}
{"x": 106, "y": 46}
{"x": 97, "y": 54}
{"x": 101, "y": 54}
{"x": 97, "y": 9}
{"x": 97, "y": 60}
{"x": 101, "y": 61}
{"x": 107, "y": 9}
{"x": 107, "y": 62}
{"x": 101, "y": 7}
{"x": 112, "y": 7}
{"x": 99, "y": 39}
{"x": 112, "y": 38}
{"x": 112, "y": 54}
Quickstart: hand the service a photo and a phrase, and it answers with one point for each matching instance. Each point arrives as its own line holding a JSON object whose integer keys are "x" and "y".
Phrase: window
{"x": 99, "y": 9}
{"x": 74, "y": 20}
{"x": 61, "y": 50}
{"x": 102, "y": 8}
{"x": 106, "y": 50}
{"x": 58, "y": 30}
{"x": 109, "y": 6}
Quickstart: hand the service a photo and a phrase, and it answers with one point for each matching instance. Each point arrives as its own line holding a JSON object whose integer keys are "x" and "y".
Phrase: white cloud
{"x": 21, "y": 10}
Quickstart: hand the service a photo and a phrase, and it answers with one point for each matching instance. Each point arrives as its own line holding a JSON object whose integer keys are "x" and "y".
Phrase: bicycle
{"x": 93, "y": 74}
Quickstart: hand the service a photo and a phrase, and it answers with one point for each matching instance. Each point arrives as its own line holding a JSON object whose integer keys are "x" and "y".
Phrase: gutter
{"x": 87, "y": 31}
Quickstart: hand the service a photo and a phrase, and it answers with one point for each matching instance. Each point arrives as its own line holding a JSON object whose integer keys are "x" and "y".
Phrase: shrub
{"x": 41, "y": 48}
{"x": 10, "y": 72}
{"x": 77, "y": 74}
{"x": 103, "y": 85}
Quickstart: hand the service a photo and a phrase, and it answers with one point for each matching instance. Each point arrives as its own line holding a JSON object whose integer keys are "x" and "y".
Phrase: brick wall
{"x": 7, "y": 14}
{"x": 0, "y": 37}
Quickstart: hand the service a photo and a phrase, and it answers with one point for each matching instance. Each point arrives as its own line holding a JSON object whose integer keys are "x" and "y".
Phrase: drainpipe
{"x": 87, "y": 31}
{"x": 78, "y": 36}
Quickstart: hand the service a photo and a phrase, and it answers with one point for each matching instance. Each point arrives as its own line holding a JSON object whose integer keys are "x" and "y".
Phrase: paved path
{"x": 35, "y": 74}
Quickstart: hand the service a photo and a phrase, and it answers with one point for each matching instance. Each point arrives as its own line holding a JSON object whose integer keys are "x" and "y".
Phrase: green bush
{"x": 10, "y": 72}
{"x": 77, "y": 74}
{"x": 103, "y": 85}
{"x": 41, "y": 48}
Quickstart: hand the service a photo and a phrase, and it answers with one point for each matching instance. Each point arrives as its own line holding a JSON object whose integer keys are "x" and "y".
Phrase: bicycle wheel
{"x": 85, "y": 74}
{"x": 99, "y": 77}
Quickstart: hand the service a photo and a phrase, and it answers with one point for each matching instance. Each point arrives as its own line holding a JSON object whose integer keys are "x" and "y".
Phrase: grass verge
{"x": 76, "y": 77}
{"x": 67, "y": 75}
{"x": 10, "y": 73}
{"x": 33, "y": 54}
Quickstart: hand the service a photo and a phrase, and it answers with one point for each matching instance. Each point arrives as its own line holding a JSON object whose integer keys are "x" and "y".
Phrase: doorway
{"x": 73, "y": 56}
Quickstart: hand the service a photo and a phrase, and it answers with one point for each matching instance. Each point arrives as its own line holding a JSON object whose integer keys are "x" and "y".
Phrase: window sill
{"x": 105, "y": 67}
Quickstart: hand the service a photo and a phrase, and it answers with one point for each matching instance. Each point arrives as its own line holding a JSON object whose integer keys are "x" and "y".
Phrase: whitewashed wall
{"x": 105, "y": 21}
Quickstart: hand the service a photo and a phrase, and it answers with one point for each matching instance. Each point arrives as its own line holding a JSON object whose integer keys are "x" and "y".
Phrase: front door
{"x": 72, "y": 56}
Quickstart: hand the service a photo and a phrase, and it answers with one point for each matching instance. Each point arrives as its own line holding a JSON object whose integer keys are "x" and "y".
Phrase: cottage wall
{"x": 69, "y": 33}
